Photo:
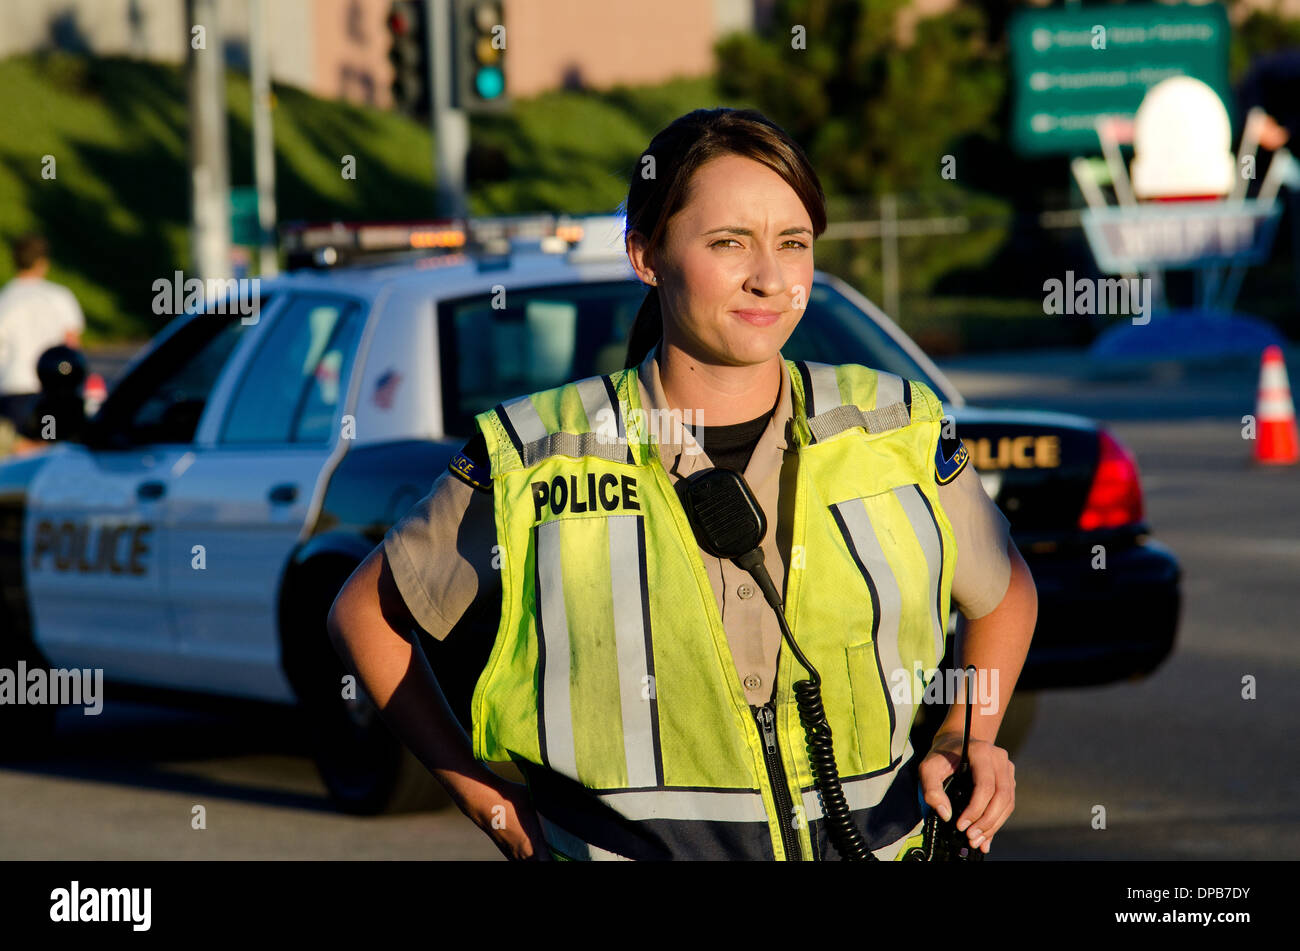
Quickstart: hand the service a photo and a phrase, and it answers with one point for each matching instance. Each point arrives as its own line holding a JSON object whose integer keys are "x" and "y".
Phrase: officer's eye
{"x": 791, "y": 241}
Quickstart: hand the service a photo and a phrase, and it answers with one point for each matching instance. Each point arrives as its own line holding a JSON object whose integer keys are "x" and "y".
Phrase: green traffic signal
{"x": 489, "y": 82}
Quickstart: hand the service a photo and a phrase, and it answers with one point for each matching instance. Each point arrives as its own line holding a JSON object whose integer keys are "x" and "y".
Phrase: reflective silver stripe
{"x": 594, "y": 399}
{"x": 889, "y": 389}
{"x": 879, "y": 420}
{"x": 742, "y": 805}
{"x": 869, "y": 552}
{"x": 574, "y": 445}
{"x": 570, "y": 845}
{"x": 633, "y": 648}
{"x": 916, "y": 506}
{"x": 825, "y": 387}
{"x": 890, "y": 852}
{"x": 1274, "y": 407}
{"x": 524, "y": 418}
{"x": 557, "y": 714}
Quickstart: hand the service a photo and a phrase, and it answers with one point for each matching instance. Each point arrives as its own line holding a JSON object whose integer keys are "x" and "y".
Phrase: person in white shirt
{"x": 35, "y": 314}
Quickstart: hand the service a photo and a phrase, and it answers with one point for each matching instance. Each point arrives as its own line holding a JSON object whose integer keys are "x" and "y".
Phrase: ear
{"x": 637, "y": 253}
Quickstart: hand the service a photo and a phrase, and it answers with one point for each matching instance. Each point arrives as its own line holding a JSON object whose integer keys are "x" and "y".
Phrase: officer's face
{"x": 742, "y": 242}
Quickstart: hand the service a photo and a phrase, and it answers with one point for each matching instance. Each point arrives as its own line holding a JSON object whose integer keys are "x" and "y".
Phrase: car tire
{"x": 26, "y": 730}
{"x": 366, "y": 769}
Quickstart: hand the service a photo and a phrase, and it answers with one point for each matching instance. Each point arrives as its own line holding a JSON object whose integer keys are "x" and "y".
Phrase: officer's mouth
{"x": 758, "y": 317}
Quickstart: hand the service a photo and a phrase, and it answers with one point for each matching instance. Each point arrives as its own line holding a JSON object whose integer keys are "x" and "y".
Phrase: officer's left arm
{"x": 996, "y": 643}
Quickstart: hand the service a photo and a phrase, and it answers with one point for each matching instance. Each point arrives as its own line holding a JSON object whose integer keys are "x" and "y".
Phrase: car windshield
{"x": 547, "y": 336}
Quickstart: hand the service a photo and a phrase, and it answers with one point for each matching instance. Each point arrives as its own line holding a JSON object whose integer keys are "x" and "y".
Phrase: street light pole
{"x": 209, "y": 164}
{"x": 263, "y": 137}
{"x": 450, "y": 125}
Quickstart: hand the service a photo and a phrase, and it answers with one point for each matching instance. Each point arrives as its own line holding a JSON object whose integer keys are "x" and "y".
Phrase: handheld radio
{"x": 943, "y": 842}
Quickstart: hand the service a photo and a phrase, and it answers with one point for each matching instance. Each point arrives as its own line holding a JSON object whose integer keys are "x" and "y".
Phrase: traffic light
{"x": 409, "y": 54}
{"x": 480, "y": 37}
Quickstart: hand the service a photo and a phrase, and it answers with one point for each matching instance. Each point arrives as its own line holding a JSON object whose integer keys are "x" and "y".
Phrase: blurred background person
{"x": 35, "y": 315}
{"x": 1273, "y": 84}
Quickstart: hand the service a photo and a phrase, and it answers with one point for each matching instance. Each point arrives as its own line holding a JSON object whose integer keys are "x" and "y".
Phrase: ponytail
{"x": 647, "y": 328}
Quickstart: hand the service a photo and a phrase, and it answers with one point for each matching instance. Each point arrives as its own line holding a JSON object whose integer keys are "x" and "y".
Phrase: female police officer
{"x": 637, "y": 681}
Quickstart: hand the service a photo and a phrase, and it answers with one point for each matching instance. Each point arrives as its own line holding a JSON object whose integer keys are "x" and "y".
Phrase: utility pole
{"x": 889, "y": 253}
{"x": 263, "y": 138}
{"x": 209, "y": 164}
{"x": 450, "y": 124}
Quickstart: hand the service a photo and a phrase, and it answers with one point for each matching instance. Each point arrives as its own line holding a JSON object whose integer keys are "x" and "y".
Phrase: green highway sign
{"x": 244, "y": 225}
{"x": 1072, "y": 65}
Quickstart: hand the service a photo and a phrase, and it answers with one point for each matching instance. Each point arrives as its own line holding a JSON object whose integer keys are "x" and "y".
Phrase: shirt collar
{"x": 674, "y": 437}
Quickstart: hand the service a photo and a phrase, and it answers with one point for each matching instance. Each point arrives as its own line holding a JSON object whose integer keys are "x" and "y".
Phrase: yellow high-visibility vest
{"x": 611, "y": 683}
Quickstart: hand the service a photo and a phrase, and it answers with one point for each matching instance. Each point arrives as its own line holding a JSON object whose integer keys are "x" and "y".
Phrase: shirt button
{"x": 753, "y": 682}
{"x": 746, "y": 591}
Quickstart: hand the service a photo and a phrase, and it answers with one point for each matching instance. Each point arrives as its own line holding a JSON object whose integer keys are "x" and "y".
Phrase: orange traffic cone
{"x": 1276, "y": 442}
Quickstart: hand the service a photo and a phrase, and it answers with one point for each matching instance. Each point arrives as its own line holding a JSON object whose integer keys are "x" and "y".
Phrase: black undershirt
{"x": 729, "y": 447}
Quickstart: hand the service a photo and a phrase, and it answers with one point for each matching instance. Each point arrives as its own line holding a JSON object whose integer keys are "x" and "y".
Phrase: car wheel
{"x": 26, "y": 730}
{"x": 366, "y": 769}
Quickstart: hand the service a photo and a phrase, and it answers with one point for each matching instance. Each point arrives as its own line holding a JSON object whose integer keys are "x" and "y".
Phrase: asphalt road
{"x": 1184, "y": 767}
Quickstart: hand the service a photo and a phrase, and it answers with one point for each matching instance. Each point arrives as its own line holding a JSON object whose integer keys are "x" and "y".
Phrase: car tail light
{"x": 1115, "y": 497}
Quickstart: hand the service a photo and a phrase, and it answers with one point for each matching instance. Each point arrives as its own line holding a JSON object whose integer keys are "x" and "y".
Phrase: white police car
{"x": 239, "y": 470}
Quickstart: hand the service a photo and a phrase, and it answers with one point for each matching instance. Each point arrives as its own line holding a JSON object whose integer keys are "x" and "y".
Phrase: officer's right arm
{"x": 370, "y": 624}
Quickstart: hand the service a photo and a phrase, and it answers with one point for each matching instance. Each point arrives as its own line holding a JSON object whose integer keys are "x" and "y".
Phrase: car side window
{"x": 317, "y": 418}
{"x": 161, "y": 399}
{"x": 547, "y": 336}
{"x": 292, "y": 385}
{"x": 541, "y": 337}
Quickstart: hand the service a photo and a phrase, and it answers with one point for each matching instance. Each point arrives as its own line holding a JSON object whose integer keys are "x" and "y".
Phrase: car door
{"x": 240, "y": 506}
{"x": 93, "y": 531}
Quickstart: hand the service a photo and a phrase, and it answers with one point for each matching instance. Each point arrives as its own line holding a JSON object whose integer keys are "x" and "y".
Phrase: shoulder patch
{"x": 471, "y": 465}
{"x": 950, "y": 457}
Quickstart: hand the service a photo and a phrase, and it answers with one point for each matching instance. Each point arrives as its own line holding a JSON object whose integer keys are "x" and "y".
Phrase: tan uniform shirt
{"x": 441, "y": 552}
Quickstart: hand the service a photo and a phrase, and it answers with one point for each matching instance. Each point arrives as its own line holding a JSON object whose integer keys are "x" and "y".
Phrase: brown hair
{"x": 680, "y": 149}
{"x": 28, "y": 249}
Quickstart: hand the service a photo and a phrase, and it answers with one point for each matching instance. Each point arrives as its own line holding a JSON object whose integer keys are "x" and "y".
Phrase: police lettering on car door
{"x": 115, "y": 548}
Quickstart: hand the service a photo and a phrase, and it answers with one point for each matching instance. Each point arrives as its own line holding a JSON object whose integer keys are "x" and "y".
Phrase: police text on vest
{"x": 590, "y": 495}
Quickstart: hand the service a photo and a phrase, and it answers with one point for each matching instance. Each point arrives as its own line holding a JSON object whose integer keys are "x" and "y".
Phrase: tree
{"x": 874, "y": 113}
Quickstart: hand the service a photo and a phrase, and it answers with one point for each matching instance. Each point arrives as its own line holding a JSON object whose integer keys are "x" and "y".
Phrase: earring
{"x": 654, "y": 280}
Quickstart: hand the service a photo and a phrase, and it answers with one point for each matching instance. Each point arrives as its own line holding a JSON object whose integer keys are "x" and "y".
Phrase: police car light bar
{"x": 333, "y": 243}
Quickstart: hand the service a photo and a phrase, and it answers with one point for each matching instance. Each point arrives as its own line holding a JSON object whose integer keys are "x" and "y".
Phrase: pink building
{"x": 339, "y": 48}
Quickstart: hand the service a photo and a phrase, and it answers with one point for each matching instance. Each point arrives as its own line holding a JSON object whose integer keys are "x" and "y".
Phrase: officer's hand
{"x": 506, "y": 814}
{"x": 994, "y": 797}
